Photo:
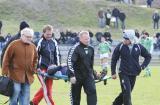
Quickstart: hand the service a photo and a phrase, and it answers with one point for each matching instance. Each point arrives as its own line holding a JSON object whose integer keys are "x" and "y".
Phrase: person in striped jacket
{"x": 49, "y": 55}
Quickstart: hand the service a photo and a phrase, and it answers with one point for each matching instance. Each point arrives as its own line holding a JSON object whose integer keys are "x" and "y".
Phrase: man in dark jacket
{"x": 149, "y": 3}
{"x": 155, "y": 18}
{"x": 0, "y": 27}
{"x": 23, "y": 25}
{"x": 122, "y": 18}
{"x": 115, "y": 13}
{"x": 128, "y": 52}
{"x": 80, "y": 64}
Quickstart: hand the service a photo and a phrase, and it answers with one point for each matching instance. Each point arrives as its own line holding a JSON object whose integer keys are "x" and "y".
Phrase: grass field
{"x": 79, "y": 15}
{"x": 146, "y": 91}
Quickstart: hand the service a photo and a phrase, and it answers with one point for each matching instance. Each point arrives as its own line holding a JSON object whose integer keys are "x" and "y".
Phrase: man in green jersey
{"x": 104, "y": 49}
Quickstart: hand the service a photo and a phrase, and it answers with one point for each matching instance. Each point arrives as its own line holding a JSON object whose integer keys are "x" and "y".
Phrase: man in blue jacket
{"x": 128, "y": 52}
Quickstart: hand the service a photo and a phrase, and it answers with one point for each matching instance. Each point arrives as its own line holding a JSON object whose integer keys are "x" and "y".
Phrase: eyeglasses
{"x": 29, "y": 37}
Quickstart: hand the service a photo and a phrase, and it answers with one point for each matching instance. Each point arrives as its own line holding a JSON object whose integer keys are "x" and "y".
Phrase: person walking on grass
{"x": 19, "y": 64}
{"x": 49, "y": 55}
{"x": 80, "y": 64}
{"x": 128, "y": 52}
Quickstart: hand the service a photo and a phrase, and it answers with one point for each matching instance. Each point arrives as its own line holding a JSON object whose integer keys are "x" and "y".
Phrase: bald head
{"x": 84, "y": 37}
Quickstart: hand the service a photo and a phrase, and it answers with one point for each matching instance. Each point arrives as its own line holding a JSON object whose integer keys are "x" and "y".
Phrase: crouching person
{"x": 19, "y": 64}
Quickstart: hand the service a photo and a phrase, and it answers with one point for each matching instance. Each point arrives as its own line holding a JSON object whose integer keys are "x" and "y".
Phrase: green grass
{"x": 146, "y": 91}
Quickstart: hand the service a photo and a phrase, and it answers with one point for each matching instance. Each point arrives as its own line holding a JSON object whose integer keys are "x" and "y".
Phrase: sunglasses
{"x": 125, "y": 38}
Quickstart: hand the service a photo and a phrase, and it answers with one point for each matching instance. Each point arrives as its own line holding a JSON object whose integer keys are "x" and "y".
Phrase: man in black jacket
{"x": 0, "y": 27}
{"x": 122, "y": 18}
{"x": 129, "y": 53}
{"x": 155, "y": 18}
{"x": 80, "y": 64}
{"x": 115, "y": 13}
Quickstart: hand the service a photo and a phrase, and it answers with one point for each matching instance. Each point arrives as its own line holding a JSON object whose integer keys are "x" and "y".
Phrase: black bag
{"x": 6, "y": 86}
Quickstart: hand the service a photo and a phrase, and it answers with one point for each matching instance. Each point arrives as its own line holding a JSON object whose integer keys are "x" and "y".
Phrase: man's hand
{"x": 4, "y": 73}
{"x": 73, "y": 80}
{"x": 114, "y": 76}
{"x": 142, "y": 67}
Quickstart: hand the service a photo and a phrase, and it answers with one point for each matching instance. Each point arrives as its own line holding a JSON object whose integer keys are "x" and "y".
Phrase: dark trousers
{"x": 155, "y": 25}
{"x": 123, "y": 25}
{"x": 116, "y": 23}
{"x": 127, "y": 85}
{"x": 89, "y": 88}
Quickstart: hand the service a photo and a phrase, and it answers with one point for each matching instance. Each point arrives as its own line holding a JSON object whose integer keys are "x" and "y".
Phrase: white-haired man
{"x": 80, "y": 64}
{"x": 128, "y": 52}
{"x": 19, "y": 64}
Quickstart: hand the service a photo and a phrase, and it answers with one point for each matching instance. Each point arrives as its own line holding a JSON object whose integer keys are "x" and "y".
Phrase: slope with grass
{"x": 74, "y": 14}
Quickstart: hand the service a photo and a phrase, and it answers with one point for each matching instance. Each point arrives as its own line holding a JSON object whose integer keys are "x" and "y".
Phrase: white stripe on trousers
{"x": 44, "y": 90}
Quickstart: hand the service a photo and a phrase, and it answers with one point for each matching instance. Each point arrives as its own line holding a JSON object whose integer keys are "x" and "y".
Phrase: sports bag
{"x": 6, "y": 86}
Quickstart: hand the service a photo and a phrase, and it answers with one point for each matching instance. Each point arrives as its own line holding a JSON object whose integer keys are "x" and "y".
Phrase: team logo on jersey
{"x": 86, "y": 50}
{"x": 136, "y": 49}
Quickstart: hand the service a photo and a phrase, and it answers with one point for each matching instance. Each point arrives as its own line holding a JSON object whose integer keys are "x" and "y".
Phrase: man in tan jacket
{"x": 19, "y": 64}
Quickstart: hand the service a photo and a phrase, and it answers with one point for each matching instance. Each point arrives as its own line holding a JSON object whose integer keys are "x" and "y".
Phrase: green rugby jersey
{"x": 104, "y": 47}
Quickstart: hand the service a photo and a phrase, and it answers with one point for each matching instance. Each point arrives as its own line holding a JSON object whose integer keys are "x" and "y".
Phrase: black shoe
{"x": 31, "y": 103}
{"x": 105, "y": 82}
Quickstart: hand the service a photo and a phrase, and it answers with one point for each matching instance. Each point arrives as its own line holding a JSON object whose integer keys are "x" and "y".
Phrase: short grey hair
{"x": 83, "y": 32}
{"x": 27, "y": 31}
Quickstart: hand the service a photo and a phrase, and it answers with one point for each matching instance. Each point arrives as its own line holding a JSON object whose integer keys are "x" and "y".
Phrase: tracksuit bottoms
{"x": 89, "y": 88}
{"x": 45, "y": 91}
{"x": 127, "y": 84}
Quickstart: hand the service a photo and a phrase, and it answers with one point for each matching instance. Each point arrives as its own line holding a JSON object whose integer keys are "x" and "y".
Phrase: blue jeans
{"x": 21, "y": 94}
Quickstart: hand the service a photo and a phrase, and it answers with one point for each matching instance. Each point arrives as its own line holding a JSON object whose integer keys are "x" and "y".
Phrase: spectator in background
{"x": 8, "y": 37}
{"x": 101, "y": 18}
{"x": 137, "y": 35}
{"x": 122, "y": 18}
{"x": 57, "y": 35}
{"x": 2, "y": 42}
{"x": 155, "y": 18}
{"x": 157, "y": 42}
{"x": 1, "y": 27}
{"x": 91, "y": 36}
{"x": 23, "y": 25}
{"x": 149, "y": 3}
{"x": 108, "y": 36}
{"x": 108, "y": 16}
{"x": 98, "y": 36}
{"x": 115, "y": 13}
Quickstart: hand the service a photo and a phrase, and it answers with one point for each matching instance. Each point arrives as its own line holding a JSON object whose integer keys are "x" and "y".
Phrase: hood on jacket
{"x": 130, "y": 35}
